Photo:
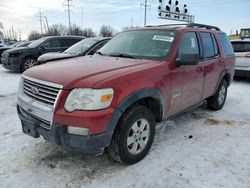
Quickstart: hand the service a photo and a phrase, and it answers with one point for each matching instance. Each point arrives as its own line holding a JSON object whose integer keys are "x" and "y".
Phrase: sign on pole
{"x": 171, "y": 10}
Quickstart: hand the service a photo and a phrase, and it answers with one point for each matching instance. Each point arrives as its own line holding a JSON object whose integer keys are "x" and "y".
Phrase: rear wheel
{"x": 134, "y": 136}
{"x": 217, "y": 101}
{"x": 28, "y": 63}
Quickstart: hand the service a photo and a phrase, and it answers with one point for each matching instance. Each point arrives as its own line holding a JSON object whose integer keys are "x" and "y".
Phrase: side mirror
{"x": 187, "y": 59}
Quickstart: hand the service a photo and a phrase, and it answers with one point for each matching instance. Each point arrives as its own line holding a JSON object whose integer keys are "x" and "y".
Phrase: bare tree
{"x": 57, "y": 30}
{"x": 76, "y": 30}
{"x": 88, "y": 32}
{"x": 106, "y": 31}
{"x": 127, "y": 28}
{"x": 34, "y": 35}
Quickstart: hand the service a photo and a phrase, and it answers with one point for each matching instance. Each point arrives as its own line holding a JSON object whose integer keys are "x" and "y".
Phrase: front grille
{"x": 41, "y": 92}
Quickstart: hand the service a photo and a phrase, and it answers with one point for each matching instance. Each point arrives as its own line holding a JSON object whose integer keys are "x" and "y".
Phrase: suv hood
{"x": 54, "y": 56}
{"x": 17, "y": 49}
{"x": 86, "y": 71}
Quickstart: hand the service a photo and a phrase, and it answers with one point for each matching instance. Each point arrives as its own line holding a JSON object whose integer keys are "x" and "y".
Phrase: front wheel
{"x": 28, "y": 63}
{"x": 134, "y": 136}
{"x": 217, "y": 101}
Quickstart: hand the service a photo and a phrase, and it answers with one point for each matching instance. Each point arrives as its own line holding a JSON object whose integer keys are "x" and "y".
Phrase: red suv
{"x": 114, "y": 98}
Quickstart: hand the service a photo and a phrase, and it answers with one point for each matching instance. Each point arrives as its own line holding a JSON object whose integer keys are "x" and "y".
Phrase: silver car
{"x": 242, "y": 53}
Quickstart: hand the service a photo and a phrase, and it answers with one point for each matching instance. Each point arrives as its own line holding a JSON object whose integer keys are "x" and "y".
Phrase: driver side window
{"x": 52, "y": 44}
{"x": 188, "y": 45}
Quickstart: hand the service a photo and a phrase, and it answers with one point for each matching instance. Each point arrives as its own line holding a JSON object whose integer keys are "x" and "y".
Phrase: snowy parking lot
{"x": 201, "y": 148}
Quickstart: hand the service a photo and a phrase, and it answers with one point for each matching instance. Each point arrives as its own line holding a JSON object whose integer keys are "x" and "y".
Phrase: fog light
{"x": 78, "y": 130}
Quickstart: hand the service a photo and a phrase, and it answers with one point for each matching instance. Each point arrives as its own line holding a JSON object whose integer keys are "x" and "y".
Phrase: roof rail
{"x": 166, "y": 25}
{"x": 203, "y": 26}
{"x": 189, "y": 25}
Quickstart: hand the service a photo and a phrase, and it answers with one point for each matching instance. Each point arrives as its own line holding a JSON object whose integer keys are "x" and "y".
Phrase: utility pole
{"x": 13, "y": 35}
{"x": 47, "y": 24}
{"x": 41, "y": 22}
{"x": 82, "y": 18}
{"x": 68, "y": 7}
{"x": 145, "y": 5}
{"x": 19, "y": 31}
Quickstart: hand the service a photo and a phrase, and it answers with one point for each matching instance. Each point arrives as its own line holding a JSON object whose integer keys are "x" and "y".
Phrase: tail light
{"x": 247, "y": 55}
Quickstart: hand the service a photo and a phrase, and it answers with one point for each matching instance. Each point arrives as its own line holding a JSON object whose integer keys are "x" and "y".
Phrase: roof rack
{"x": 203, "y": 26}
{"x": 166, "y": 25}
{"x": 194, "y": 25}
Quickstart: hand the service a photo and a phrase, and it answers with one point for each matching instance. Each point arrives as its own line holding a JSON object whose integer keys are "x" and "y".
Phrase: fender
{"x": 128, "y": 101}
{"x": 223, "y": 73}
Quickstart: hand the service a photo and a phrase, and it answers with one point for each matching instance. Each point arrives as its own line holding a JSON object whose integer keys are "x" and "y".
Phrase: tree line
{"x": 60, "y": 29}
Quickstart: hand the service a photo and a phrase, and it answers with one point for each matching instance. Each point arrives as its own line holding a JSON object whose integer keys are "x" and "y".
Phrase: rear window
{"x": 226, "y": 45}
{"x": 241, "y": 46}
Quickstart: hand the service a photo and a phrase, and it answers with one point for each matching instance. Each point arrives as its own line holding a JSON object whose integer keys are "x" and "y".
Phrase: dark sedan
{"x": 85, "y": 47}
{"x": 21, "y": 59}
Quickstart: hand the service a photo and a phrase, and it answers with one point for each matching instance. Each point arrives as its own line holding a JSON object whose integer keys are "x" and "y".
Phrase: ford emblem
{"x": 34, "y": 90}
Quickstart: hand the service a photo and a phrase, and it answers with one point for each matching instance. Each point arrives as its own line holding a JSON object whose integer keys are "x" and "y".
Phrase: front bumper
{"x": 88, "y": 145}
{"x": 13, "y": 64}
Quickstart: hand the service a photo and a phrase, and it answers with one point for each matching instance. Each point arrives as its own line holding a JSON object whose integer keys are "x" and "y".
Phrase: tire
{"x": 217, "y": 101}
{"x": 127, "y": 146}
{"x": 28, "y": 63}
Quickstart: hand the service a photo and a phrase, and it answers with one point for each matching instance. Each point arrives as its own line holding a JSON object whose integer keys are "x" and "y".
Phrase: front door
{"x": 193, "y": 75}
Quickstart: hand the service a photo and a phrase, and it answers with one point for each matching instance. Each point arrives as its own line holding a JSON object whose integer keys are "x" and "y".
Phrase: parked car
{"x": 86, "y": 46}
{"x": 242, "y": 53}
{"x": 21, "y": 59}
{"x": 114, "y": 98}
{"x": 16, "y": 45}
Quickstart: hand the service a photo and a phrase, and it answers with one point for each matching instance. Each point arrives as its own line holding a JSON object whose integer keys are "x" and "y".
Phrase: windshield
{"x": 142, "y": 44}
{"x": 36, "y": 43}
{"x": 81, "y": 46}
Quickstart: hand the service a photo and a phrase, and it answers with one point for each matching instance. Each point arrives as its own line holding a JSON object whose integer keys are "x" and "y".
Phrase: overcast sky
{"x": 22, "y": 14}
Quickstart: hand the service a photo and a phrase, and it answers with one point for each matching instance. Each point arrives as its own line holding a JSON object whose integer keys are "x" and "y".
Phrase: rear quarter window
{"x": 226, "y": 45}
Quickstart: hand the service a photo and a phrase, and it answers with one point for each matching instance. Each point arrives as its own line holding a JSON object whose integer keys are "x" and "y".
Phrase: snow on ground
{"x": 197, "y": 149}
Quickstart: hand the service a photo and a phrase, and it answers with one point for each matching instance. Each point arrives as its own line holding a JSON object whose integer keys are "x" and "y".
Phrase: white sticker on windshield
{"x": 163, "y": 38}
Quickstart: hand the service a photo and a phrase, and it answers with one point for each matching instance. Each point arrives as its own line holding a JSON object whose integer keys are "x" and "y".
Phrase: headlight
{"x": 15, "y": 54}
{"x": 88, "y": 99}
{"x": 20, "y": 86}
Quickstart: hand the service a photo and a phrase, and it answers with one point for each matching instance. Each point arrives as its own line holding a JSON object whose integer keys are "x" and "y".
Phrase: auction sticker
{"x": 163, "y": 38}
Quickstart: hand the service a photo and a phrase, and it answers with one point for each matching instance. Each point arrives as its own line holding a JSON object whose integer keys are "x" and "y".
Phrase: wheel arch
{"x": 149, "y": 97}
{"x": 224, "y": 75}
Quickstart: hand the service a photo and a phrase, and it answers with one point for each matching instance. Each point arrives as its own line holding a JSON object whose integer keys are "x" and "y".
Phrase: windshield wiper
{"x": 122, "y": 55}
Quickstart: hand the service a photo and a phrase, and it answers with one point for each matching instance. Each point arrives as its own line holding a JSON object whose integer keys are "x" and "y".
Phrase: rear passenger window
{"x": 69, "y": 42}
{"x": 208, "y": 46}
{"x": 226, "y": 45}
{"x": 216, "y": 50}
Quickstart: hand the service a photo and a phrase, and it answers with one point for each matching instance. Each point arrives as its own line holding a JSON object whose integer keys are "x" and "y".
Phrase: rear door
{"x": 213, "y": 62}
